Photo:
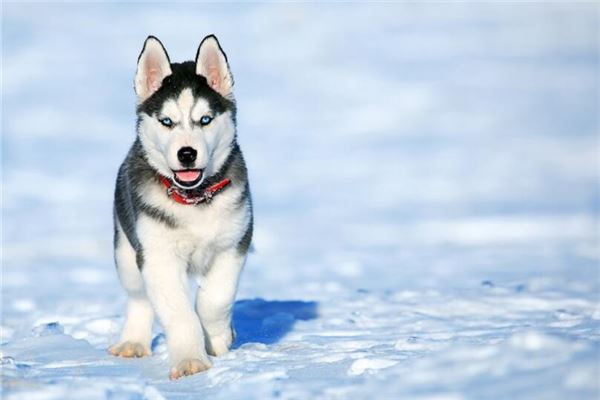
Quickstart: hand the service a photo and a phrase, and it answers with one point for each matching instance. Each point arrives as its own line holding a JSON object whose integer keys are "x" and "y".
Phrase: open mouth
{"x": 188, "y": 178}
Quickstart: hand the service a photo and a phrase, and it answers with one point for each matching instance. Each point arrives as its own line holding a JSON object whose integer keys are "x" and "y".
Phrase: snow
{"x": 426, "y": 188}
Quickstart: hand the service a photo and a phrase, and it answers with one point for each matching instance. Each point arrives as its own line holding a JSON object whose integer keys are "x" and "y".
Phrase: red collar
{"x": 182, "y": 197}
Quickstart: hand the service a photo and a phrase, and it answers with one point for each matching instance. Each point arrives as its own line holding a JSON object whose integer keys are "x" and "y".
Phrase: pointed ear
{"x": 211, "y": 62}
{"x": 153, "y": 66}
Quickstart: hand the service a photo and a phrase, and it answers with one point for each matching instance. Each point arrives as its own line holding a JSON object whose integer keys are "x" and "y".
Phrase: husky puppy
{"x": 182, "y": 208}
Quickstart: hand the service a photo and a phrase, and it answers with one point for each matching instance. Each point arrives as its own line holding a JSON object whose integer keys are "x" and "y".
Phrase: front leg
{"x": 165, "y": 277}
{"x": 215, "y": 299}
{"x": 137, "y": 330}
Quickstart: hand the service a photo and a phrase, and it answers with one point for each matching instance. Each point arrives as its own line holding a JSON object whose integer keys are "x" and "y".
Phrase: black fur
{"x": 184, "y": 76}
{"x": 244, "y": 244}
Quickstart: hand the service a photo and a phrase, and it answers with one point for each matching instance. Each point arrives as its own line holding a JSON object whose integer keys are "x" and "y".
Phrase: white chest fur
{"x": 201, "y": 231}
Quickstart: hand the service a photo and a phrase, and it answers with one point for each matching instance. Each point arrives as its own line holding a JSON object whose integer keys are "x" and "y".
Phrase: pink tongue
{"x": 187, "y": 176}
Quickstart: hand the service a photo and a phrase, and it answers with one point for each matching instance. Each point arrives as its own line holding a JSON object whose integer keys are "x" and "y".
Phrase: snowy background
{"x": 426, "y": 187}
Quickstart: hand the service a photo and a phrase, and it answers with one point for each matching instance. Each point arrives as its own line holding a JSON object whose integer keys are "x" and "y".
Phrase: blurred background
{"x": 390, "y": 146}
{"x": 382, "y": 139}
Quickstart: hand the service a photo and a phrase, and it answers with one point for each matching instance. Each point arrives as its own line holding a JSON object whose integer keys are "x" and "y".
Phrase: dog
{"x": 182, "y": 209}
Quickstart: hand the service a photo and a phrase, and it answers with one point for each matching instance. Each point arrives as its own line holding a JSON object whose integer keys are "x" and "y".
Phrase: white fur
{"x": 165, "y": 275}
{"x": 215, "y": 300}
{"x": 140, "y": 316}
{"x": 203, "y": 246}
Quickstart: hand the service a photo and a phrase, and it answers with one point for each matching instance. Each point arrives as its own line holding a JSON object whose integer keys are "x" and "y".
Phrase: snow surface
{"x": 426, "y": 187}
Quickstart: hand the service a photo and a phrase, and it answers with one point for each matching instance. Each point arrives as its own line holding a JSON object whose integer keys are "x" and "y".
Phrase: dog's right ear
{"x": 153, "y": 66}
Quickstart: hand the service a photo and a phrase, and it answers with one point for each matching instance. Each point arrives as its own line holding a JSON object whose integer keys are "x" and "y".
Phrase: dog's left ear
{"x": 211, "y": 62}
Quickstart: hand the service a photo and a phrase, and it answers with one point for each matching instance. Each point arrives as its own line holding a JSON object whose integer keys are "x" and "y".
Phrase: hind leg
{"x": 136, "y": 335}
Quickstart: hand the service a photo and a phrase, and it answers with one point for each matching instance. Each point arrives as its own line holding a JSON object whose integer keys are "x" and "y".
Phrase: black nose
{"x": 187, "y": 155}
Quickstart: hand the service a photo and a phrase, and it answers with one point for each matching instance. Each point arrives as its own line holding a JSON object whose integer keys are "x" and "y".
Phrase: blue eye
{"x": 166, "y": 122}
{"x": 205, "y": 120}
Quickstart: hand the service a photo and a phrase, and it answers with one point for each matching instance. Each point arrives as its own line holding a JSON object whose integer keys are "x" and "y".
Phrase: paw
{"x": 129, "y": 349}
{"x": 188, "y": 367}
{"x": 217, "y": 345}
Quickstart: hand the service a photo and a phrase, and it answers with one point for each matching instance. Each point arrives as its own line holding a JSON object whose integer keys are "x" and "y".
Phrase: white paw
{"x": 129, "y": 349}
{"x": 217, "y": 345}
{"x": 188, "y": 367}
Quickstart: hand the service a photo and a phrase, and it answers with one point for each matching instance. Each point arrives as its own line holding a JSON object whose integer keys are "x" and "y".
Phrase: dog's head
{"x": 186, "y": 111}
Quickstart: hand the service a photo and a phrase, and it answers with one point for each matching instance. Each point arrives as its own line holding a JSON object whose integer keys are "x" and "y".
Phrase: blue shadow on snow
{"x": 264, "y": 321}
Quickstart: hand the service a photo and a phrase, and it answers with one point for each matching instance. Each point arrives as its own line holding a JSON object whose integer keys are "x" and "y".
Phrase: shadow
{"x": 264, "y": 321}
